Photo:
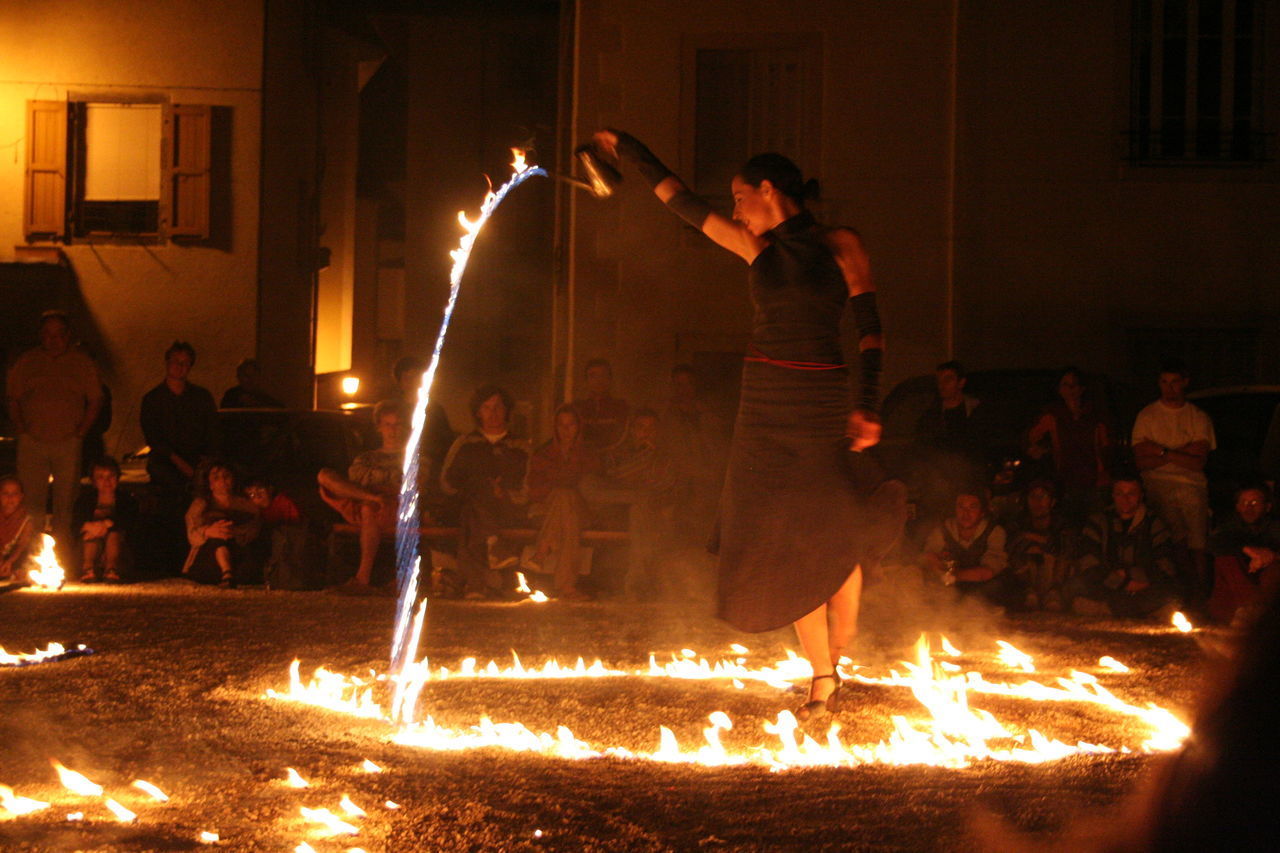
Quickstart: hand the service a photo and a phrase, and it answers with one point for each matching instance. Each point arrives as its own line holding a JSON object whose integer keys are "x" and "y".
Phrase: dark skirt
{"x": 799, "y": 511}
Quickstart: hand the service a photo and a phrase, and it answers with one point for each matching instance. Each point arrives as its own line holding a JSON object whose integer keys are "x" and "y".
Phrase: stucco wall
{"x": 141, "y": 298}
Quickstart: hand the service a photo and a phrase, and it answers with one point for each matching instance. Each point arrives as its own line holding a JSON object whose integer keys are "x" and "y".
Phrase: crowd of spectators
{"x": 1091, "y": 517}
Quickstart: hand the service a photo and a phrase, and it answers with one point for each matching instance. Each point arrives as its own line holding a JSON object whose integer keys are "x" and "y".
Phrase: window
{"x": 748, "y": 95}
{"x": 109, "y": 169}
{"x": 1196, "y": 93}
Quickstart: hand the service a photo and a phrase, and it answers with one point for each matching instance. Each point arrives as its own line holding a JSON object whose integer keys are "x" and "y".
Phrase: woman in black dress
{"x": 795, "y": 528}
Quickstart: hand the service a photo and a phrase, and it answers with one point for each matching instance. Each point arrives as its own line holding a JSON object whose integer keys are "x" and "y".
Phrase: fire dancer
{"x": 17, "y": 532}
{"x": 794, "y": 531}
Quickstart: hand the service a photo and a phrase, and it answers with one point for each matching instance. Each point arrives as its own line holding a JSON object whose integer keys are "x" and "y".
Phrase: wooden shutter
{"x": 45, "y": 206}
{"x": 190, "y": 136}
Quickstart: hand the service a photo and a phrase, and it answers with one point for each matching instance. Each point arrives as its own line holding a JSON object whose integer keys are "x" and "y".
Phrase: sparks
{"x": 408, "y": 561}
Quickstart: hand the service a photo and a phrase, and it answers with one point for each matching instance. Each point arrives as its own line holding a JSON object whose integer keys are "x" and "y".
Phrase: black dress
{"x": 797, "y": 515}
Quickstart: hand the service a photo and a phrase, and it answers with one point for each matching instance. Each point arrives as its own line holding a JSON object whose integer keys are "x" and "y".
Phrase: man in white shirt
{"x": 1171, "y": 442}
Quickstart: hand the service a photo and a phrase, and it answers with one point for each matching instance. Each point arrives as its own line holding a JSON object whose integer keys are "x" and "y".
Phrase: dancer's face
{"x": 751, "y": 205}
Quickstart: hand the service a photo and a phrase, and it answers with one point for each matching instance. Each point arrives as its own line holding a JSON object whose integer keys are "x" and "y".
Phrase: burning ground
{"x": 175, "y": 695}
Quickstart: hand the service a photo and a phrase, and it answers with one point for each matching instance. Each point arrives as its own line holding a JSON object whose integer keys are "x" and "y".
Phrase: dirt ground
{"x": 174, "y": 695}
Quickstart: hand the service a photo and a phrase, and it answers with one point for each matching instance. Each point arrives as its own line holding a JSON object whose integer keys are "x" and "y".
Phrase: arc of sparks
{"x": 408, "y": 561}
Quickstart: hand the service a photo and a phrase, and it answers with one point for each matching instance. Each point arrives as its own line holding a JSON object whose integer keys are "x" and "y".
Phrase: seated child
{"x": 1042, "y": 547}
{"x": 105, "y": 518}
{"x": 18, "y": 539}
{"x": 282, "y": 549}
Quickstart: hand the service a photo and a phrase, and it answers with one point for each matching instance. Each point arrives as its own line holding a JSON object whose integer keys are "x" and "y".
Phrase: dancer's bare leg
{"x": 842, "y": 611}
{"x": 811, "y": 629}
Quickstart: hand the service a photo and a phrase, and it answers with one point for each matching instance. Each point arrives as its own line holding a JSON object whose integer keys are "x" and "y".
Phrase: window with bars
{"x": 1196, "y": 93}
{"x": 745, "y": 96}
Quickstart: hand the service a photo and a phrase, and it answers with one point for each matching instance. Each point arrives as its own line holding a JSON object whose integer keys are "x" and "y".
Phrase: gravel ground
{"x": 173, "y": 695}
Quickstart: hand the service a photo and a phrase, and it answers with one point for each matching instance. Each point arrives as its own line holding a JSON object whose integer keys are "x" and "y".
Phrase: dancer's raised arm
{"x": 682, "y": 201}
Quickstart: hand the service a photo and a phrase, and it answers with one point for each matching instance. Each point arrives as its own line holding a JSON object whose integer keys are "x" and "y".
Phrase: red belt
{"x": 754, "y": 354}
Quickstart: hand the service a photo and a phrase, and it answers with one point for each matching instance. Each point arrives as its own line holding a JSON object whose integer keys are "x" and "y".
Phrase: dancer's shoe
{"x": 816, "y": 707}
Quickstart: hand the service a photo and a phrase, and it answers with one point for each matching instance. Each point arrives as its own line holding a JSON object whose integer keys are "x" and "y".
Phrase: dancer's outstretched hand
{"x": 863, "y": 430}
{"x": 606, "y": 142}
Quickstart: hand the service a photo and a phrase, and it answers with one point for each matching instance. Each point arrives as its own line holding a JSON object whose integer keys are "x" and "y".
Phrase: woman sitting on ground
{"x": 18, "y": 538}
{"x": 220, "y": 524}
{"x": 105, "y": 518}
{"x": 556, "y": 470}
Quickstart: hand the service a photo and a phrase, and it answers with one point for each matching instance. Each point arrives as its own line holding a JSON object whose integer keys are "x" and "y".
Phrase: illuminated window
{"x": 1196, "y": 93}
{"x": 110, "y": 169}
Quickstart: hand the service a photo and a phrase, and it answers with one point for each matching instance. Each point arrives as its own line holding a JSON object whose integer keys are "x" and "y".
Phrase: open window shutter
{"x": 44, "y": 213}
{"x": 190, "y": 138}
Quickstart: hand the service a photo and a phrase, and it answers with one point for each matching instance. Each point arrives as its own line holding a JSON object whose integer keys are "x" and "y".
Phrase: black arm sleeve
{"x": 690, "y": 207}
{"x": 870, "y": 362}
{"x": 630, "y": 148}
{"x": 866, "y": 317}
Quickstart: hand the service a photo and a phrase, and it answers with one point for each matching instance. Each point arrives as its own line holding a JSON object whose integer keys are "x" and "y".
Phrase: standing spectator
{"x": 220, "y": 525}
{"x": 369, "y": 496}
{"x": 179, "y": 422}
{"x": 554, "y": 484}
{"x": 486, "y": 470}
{"x": 248, "y": 392}
{"x": 17, "y": 532}
{"x": 951, "y": 444}
{"x": 1126, "y": 565}
{"x": 1171, "y": 442}
{"x": 604, "y": 417}
{"x": 94, "y": 446}
{"x": 54, "y": 396}
{"x": 1073, "y": 434}
{"x": 1245, "y": 566}
{"x": 106, "y": 518}
{"x": 1042, "y": 547}
{"x": 968, "y": 550}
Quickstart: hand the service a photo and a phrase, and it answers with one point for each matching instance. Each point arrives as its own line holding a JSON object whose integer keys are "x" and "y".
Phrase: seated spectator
{"x": 604, "y": 417}
{"x": 248, "y": 393}
{"x": 486, "y": 470}
{"x": 282, "y": 546}
{"x": 105, "y": 518}
{"x": 1244, "y": 551}
{"x": 220, "y": 525}
{"x": 556, "y": 470}
{"x": 968, "y": 550}
{"x": 641, "y": 474}
{"x": 697, "y": 442}
{"x": 369, "y": 496}
{"x": 1126, "y": 558}
{"x": 18, "y": 539}
{"x": 1042, "y": 548}
{"x": 1072, "y": 436}
{"x": 437, "y": 433}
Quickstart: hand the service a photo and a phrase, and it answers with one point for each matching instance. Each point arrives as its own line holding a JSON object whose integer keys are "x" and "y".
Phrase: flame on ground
{"x": 952, "y": 734}
{"x": 1182, "y": 623}
{"x": 53, "y": 650}
{"x": 16, "y": 805}
{"x": 48, "y": 574}
{"x": 75, "y": 782}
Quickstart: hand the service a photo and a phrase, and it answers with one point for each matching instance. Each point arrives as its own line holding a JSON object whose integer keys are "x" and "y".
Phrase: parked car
{"x": 1246, "y": 423}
